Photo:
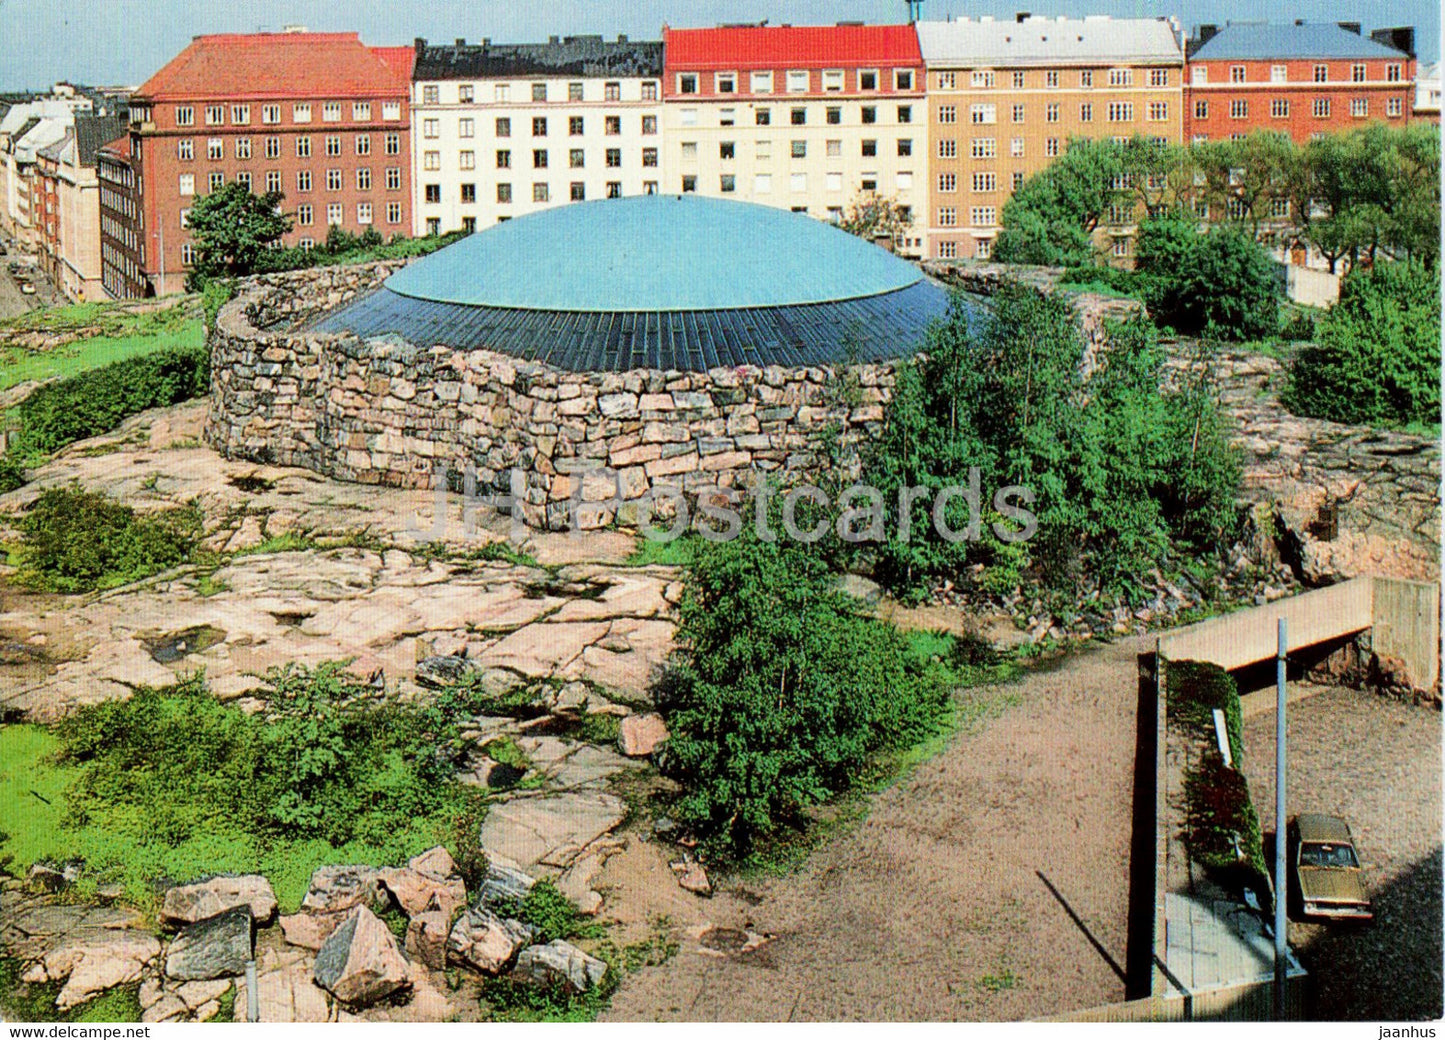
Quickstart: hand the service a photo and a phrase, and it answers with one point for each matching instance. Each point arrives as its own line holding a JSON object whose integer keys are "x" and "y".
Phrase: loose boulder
{"x": 215, "y": 948}
{"x": 504, "y": 884}
{"x": 336, "y": 889}
{"x": 426, "y": 938}
{"x": 559, "y": 964}
{"x": 360, "y": 963}
{"x": 486, "y": 942}
{"x": 639, "y": 735}
{"x": 199, "y": 900}
{"x": 428, "y": 882}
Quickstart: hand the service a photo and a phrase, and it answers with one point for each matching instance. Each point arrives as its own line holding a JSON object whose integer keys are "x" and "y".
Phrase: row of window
{"x": 1279, "y": 108}
{"x": 797, "y": 116}
{"x": 576, "y": 126}
{"x": 271, "y": 146}
{"x": 335, "y": 180}
{"x": 979, "y": 216}
{"x": 541, "y": 192}
{"x": 987, "y": 79}
{"x": 331, "y": 112}
{"x": 117, "y": 268}
{"x": 983, "y": 181}
{"x": 502, "y": 92}
{"x": 541, "y": 159}
{"x": 1359, "y": 73}
{"x": 798, "y": 148}
{"x": 986, "y": 114}
{"x": 797, "y": 184}
{"x": 795, "y": 81}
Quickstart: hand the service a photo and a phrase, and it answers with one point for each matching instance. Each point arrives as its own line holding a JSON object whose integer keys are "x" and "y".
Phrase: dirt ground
{"x": 933, "y": 908}
{"x": 1376, "y": 762}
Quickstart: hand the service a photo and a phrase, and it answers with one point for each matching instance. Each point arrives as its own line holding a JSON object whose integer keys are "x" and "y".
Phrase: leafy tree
{"x": 1221, "y": 283}
{"x": 1378, "y": 353}
{"x": 874, "y": 216}
{"x": 1052, "y": 218}
{"x": 233, "y": 228}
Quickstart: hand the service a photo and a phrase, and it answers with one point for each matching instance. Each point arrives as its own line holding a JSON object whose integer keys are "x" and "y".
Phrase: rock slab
{"x": 639, "y": 735}
{"x": 559, "y": 964}
{"x": 199, "y": 900}
{"x": 360, "y": 963}
{"x": 217, "y": 947}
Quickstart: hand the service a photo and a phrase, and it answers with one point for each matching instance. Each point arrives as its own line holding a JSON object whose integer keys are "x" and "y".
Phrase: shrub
{"x": 75, "y": 541}
{"x": 93, "y": 402}
{"x": 1220, "y": 284}
{"x": 780, "y": 692}
{"x": 12, "y": 474}
{"x": 1377, "y": 358}
{"x": 1299, "y": 329}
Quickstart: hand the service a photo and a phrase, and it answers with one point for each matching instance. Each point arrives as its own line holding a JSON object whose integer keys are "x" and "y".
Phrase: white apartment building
{"x": 499, "y": 131}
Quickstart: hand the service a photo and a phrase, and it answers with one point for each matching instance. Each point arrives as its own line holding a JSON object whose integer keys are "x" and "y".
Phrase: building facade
{"x": 809, "y": 118}
{"x": 1005, "y": 97}
{"x": 501, "y": 130}
{"x": 1427, "y": 94}
{"x": 1303, "y": 79}
{"x": 68, "y": 213}
{"x": 320, "y": 117}
{"x": 25, "y": 129}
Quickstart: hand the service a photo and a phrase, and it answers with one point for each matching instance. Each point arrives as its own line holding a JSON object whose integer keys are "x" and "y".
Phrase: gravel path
{"x": 1376, "y": 762}
{"x": 933, "y": 908}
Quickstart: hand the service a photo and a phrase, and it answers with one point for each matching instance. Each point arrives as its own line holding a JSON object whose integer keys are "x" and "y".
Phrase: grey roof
{"x": 1097, "y": 39}
{"x": 91, "y": 132}
{"x": 1245, "y": 41}
{"x": 585, "y": 56}
{"x": 56, "y": 151}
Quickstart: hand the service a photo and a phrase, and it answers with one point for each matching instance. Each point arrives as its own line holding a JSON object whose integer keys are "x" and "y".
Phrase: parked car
{"x": 1328, "y": 879}
{"x": 27, "y": 288}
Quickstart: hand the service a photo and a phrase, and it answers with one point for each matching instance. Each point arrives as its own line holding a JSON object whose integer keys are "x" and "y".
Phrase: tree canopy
{"x": 233, "y": 228}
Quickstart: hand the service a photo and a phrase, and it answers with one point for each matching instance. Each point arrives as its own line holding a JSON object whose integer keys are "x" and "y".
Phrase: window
{"x": 1322, "y": 73}
{"x": 1279, "y": 208}
{"x": 1086, "y": 113}
{"x": 393, "y": 212}
{"x": 504, "y": 193}
{"x": 540, "y": 193}
{"x": 614, "y": 158}
{"x": 985, "y": 182}
{"x": 905, "y": 183}
{"x": 1357, "y": 73}
{"x": 800, "y": 149}
{"x": 430, "y": 128}
{"x": 1018, "y": 113}
{"x": 727, "y": 183}
{"x": 1394, "y": 106}
{"x": 363, "y": 213}
{"x": 723, "y": 83}
{"x": 431, "y": 161}
{"x": 188, "y": 184}
{"x": 867, "y": 79}
{"x": 1051, "y": 113}
{"x": 1239, "y": 109}
{"x": 947, "y": 81}
{"x": 335, "y": 213}
{"x": 983, "y": 216}
{"x": 982, "y": 79}
{"x": 363, "y": 144}
{"x": 1020, "y": 78}
{"x": 798, "y": 81}
{"x": 1322, "y": 108}
{"x": 1018, "y": 179}
{"x": 185, "y": 115}
{"x": 392, "y": 144}
{"x": 905, "y": 113}
{"x": 947, "y": 250}
{"x": 1158, "y": 111}
{"x": 539, "y": 126}
{"x": 689, "y": 150}
{"x": 798, "y": 182}
{"x": 333, "y": 144}
{"x": 982, "y": 114}
{"x": 1121, "y": 246}
{"x": 762, "y": 184}
{"x": 649, "y": 157}
{"x": 186, "y": 149}
{"x": 947, "y": 148}
{"x": 905, "y": 146}
{"x": 948, "y": 182}
{"x": 361, "y": 110}
{"x": 577, "y": 191}
{"x": 612, "y": 125}
{"x": 466, "y": 94}
{"x": 688, "y": 117}
{"x": 391, "y": 110}
{"x": 215, "y": 115}
{"x": 869, "y": 114}
{"x": 947, "y": 216}
{"x": 834, "y": 148}
{"x": 1359, "y": 107}
{"x": 363, "y": 179}
{"x": 539, "y": 92}
{"x": 870, "y": 147}
{"x": 393, "y": 178}
{"x": 1051, "y": 147}
{"x": 947, "y": 114}
{"x": 430, "y": 95}
{"x": 303, "y": 214}
{"x": 763, "y": 116}
{"x": 539, "y": 158}
{"x": 217, "y": 179}
{"x": 465, "y": 128}
{"x": 1121, "y": 111}
{"x": 1392, "y": 73}
{"x": 504, "y": 159}
{"x": 1236, "y": 74}
{"x": 1051, "y": 78}
{"x": 687, "y": 82}
{"x": 241, "y": 115}
{"x": 467, "y": 160}
{"x": 649, "y": 125}
{"x": 833, "y": 181}
{"x": 433, "y": 226}
{"x": 689, "y": 182}
{"x": 983, "y": 148}
{"x": 331, "y": 112}
{"x": 188, "y": 253}
{"x": 1201, "y": 110}
{"x": 333, "y": 180}
{"x": 215, "y": 148}
{"x": 1016, "y": 148}
{"x": 761, "y": 82}
{"x": 833, "y": 115}
{"x": 614, "y": 190}
{"x": 502, "y": 93}
{"x": 726, "y": 150}
{"x": 575, "y": 126}
{"x": 1278, "y": 74}
{"x": 504, "y": 127}
{"x": 303, "y": 180}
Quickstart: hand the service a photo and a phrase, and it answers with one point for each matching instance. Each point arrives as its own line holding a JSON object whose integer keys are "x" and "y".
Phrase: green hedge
{"x": 94, "y": 402}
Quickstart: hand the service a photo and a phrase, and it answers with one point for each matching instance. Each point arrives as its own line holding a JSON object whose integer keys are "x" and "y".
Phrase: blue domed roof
{"x": 655, "y": 253}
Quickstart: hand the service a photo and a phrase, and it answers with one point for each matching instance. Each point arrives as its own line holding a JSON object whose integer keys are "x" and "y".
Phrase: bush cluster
{"x": 84, "y": 405}
{"x": 1221, "y": 284}
{"x": 76, "y": 541}
{"x": 781, "y": 691}
{"x": 1377, "y": 352}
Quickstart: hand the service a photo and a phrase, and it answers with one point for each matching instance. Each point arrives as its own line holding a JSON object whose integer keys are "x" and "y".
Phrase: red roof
{"x": 119, "y": 147}
{"x": 399, "y": 59}
{"x": 798, "y": 46}
{"x": 278, "y": 65}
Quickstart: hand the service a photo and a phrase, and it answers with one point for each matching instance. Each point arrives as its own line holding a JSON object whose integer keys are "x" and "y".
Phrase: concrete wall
{"x": 1406, "y": 625}
{"x": 1310, "y": 287}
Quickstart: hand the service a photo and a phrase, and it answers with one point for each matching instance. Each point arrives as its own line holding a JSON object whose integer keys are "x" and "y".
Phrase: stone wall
{"x": 386, "y": 412}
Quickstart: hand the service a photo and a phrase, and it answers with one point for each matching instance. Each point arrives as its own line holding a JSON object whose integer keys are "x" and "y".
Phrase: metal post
{"x": 1281, "y": 947}
{"x": 253, "y": 999}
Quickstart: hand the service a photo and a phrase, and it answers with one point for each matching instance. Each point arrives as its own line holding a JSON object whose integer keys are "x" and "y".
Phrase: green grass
{"x": 676, "y": 553}
{"x": 124, "y": 335}
{"x": 22, "y": 1002}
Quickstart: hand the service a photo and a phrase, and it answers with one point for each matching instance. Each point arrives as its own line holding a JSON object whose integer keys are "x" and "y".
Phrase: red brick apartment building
{"x": 1303, "y": 79}
{"x": 321, "y": 117}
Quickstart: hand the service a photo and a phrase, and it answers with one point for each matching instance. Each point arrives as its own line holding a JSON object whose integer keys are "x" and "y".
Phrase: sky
{"x": 123, "y": 41}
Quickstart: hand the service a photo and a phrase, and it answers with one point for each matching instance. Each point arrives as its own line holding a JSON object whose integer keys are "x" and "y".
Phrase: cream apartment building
{"x": 1005, "y": 97}
{"x": 807, "y": 118}
{"x": 499, "y": 131}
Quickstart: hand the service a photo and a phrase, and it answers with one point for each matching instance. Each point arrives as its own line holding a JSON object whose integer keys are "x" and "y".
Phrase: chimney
{"x": 1022, "y": 16}
{"x": 1350, "y": 27}
{"x": 486, "y": 41}
{"x": 1400, "y": 37}
{"x": 621, "y": 37}
{"x": 554, "y": 39}
{"x": 1207, "y": 33}
{"x": 461, "y": 41}
{"x": 419, "y": 42}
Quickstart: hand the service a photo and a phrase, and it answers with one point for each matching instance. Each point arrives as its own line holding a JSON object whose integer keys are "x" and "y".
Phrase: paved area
{"x": 934, "y": 908}
{"x": 1376, "y": 762}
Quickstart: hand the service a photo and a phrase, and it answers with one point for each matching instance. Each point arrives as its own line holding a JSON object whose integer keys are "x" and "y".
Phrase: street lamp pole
{"x": 1281, "y": 947}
